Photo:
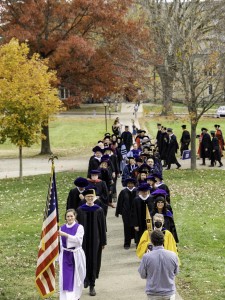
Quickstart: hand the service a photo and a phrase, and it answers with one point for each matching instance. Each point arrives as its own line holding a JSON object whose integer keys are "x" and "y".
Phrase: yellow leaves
{"x": 27, "y": 96}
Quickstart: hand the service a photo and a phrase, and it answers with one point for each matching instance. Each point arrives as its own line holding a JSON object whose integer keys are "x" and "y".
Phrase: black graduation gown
{"x": 73, "y": 199}
{"x": 124, "y": 206}
{"x": 93, "y": 164}
{"x": 172, "y": 150}
{"x": 215, "y": 154}
{"x": 185, "y": 141}
{"x": 159, "y": 139}
{"x": 127, "y": 139}
{"x": 164, "y": 145}
{"x": 93, "y": 220}
{"x": 205, "y": 144}
{"x": 102, "y": 192}
{"x": 138, "y": 215}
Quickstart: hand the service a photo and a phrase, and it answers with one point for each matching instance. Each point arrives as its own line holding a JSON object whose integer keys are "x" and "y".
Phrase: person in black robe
{"x": 205, "y": 148}
{"x": 151, "y": 181}
{"x": 75, "y": 195}
{"x": 160, "y": 206}
{"x": 138, "y": 211}
{"x": 164, "y": 146}
{"x": 159, "y": 136}
{"x": 123, "y": 208}
{"x": 94, "y": 160}
{"x": 101, "y": 189}
{"x": 185, "y": 140}
{"x": 127, "y": 138}
{"x": 215, "y": 153}
{"x": 91, "y": 216}
{"x": 161, "y": 185}
{"x": 172, "y": 150}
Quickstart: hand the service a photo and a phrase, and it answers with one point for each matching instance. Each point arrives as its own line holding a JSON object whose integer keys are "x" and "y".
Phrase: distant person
{"x": 185, "y": 140}
{"x": 135, "y": 110}
{"x": 159, "y": 267}
{"x": 127, "y": 138}
{"x": 172, "y": 150}
{"x": 215, "y": 153}
{"x": 219, "y": 135}
{"x": 72, "y": 261}
{"x": 205, "y": 146}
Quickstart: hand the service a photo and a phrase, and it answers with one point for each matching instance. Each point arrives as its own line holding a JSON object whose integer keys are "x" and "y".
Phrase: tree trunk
{"x": 21, "y": 162}
{"x": 167, "y": 79}
{"x": 45, "y": 143}
{"x": 193, "y": 144}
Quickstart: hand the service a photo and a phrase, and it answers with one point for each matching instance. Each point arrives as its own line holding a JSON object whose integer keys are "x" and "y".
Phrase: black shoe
{"x": 178, "y": 167}
{"x": 126, "y": 247}
{"x": 202, "y": 164}
{"x": 220, "y": 165}
{"x": 211, "y": 166}
{"x": 86, "y": 284}
{"x": 92, "y": 291}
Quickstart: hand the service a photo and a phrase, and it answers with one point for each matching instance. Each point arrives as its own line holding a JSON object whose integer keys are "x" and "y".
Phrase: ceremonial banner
{"x": 49, "y": 246}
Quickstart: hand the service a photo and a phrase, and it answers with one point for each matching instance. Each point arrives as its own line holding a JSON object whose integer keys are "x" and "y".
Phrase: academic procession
{"x": 124, "y": 181}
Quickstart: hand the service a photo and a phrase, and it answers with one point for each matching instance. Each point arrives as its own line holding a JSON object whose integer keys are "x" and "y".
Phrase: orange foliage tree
{"x": 91, "y": 44}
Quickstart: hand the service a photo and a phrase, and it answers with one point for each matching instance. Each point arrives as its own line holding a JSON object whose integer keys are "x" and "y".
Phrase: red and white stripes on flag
{"x": 49, "y": 245}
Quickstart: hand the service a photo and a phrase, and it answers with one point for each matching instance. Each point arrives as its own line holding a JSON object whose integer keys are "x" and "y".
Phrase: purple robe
{"x": 68, "y": 259}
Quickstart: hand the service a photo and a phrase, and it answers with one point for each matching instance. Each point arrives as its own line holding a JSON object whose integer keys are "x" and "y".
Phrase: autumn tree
{"x": 27, "y": 96}
{"x": 200, "y": 62}
{"x": 78, "y": 37}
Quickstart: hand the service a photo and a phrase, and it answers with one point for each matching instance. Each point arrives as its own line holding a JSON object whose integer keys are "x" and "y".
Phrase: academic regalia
{"x": 163, "y": 186}
{"x": 72, "y": 264}
{"x": 124, "y": 205}
{"x": 93, "y": 164}
{"x": 102, "y": 192}
{"x": 127, "y": 139}
{"x": 128, "y": 172}
{"x": 170, "y": 225}
{"x": 93, "y": 220}
{"x": 164, "y": 146}
{"x": 169, "y": 243}
{"x": 205, "y": 144}
{"x": 219, "y": 135}
{"x": 171, "y": 151}
{"x": 185, "y": 141}
{"x": 139, "y": 215}
{"x": 216, "y": 152}
{"x": 73, "y": 199}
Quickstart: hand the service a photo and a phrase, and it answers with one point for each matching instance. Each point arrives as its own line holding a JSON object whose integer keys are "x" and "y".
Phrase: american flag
{"x": 49, "y": 246}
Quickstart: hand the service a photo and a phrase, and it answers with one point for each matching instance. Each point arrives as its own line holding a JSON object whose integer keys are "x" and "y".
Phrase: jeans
{"x": 150, "y": 297}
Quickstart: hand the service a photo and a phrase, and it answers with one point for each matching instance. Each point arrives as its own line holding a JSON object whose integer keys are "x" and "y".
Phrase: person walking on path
{"x": 72, "y": 261}
{"x": 127, "y": 138}
{"x": 172, "y": 150}
{"x": 91, "y": 216}
{"x": 159, "y": 267}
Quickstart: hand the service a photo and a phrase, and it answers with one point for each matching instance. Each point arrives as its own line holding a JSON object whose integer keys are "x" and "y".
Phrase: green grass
{"x": 198, "y": 201}
{"x": 21, "y": 214}
{"x": 68, "y": 136}
{"x": 197, "y": 198}
{"x": 176, "y": 122}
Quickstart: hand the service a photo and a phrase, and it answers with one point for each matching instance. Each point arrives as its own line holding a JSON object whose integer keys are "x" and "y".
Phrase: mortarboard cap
{"x": 144, "y": 187}
{"x": 105, "y": 158}
{"x": 151, "y": 177}
{"x": 184, "y": 126}
{"x": 169, "y": 130}
{"x": 97, "y": 149}
{"x": 81, "y": 182}
{"x": 159, "y": 192}
{"x": 158, "y": 175}
{"x": 130, "y": 180}
{"x": 94, "y": 172}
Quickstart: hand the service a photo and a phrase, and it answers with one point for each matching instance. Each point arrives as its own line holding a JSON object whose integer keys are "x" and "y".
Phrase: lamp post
{"x": 105, "y": 105}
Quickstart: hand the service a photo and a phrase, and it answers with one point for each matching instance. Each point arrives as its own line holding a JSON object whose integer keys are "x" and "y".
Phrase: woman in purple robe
{"x": 72, "y": 261}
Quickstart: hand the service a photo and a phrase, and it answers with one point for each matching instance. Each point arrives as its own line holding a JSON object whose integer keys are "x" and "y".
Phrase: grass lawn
{"x": 71, "y": 135}
{"x": 198, "y": 201}
{"x": 176, "y": 122}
